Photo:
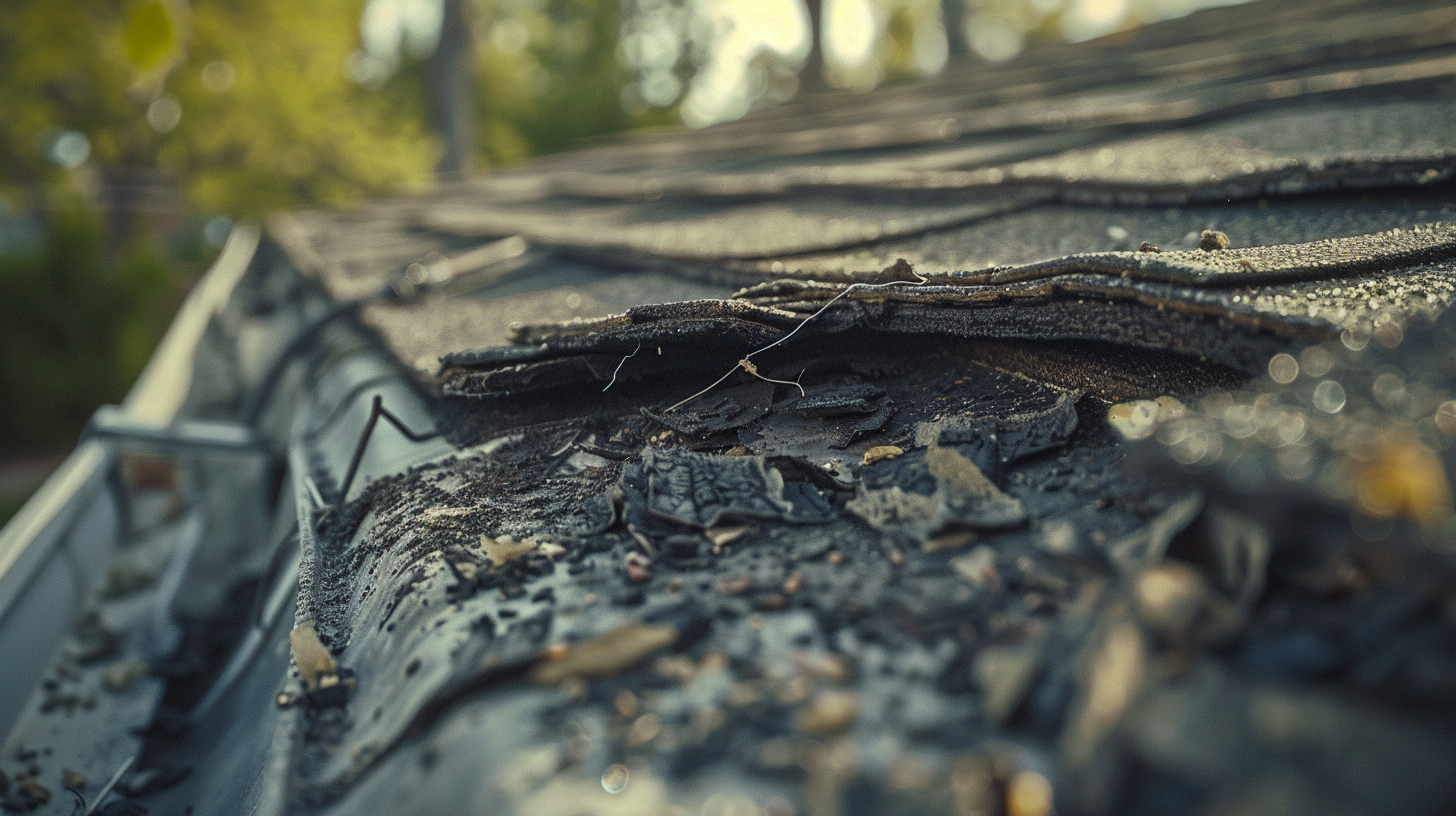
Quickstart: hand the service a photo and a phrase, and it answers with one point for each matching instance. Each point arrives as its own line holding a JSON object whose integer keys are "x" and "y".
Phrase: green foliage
{"x": 149, "y": 38}
{"x": 76, "y": 328}
{"x": 269, "y": 117}
{"x": 217, "y": 105}
{"x": 582, "y": 94}
{"x": 288, "y": 126}
{"x": 560, "y": 86}
{"x": 63, "y": 68}
{"x": 211, "y": 106}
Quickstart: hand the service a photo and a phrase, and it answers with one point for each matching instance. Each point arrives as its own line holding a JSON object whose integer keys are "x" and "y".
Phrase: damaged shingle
{"x": 702, "y": 490}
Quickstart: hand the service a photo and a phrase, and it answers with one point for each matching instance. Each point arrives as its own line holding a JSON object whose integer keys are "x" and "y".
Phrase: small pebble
{"x": 502, "y": 550}
{"x": 123, "y": 674}
{"x": 1134, "y": 420}
{"x": 34, "y": 791}
{"x": 827, "y": 713}
{"x": 1212, "y": 240}
{"x": 638, "y": 567}
{"x": 978, "y": 567}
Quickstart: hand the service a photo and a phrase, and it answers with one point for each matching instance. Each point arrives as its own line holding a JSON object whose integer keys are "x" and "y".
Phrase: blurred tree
{"x": 812, "y": 76}
{"x": 75, "y": 327}
{"x": 124, "y": 117}
{"x": 548, "y": 76}
{"x": 506, "y": 79}
{"x": 273, "y": 119}
{"x": 450, "y": 88}
{"x": 247, "y": 107}
{"x": 953, "y": 18}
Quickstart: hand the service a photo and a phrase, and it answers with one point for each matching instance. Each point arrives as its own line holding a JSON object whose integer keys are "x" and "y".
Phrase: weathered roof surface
{"x": 686, "y": 353}
{"x": 858, "y": 457}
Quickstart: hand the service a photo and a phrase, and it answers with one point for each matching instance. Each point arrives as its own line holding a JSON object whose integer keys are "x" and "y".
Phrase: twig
{"x": 106, "y": 789}
{"x": 748, "y": 365}
{"x": 621, "y": 363}
{"x": 753, "y": 369}
{"x": 919, "y": 280}
{"x": 735, "y": 367}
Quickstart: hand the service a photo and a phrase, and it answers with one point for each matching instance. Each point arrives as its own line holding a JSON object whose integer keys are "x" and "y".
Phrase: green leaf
{"x": 149, "y": 38}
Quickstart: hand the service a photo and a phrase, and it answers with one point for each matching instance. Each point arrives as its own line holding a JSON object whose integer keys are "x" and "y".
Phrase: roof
{"x": 1150, "y": 135}
{"x": 1073, "y": 432}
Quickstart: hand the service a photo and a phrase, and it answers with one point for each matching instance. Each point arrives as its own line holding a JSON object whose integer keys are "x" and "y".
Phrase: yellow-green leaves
{"x": 149, "y": 39}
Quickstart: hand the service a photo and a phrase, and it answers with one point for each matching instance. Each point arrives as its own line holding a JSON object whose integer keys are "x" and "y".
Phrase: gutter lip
{"x": 44, "y": 519}
{"x": 160, "y": 391}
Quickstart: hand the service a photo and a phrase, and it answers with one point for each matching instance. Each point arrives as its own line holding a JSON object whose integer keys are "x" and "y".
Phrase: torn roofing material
{"x": 1194, "y": 301}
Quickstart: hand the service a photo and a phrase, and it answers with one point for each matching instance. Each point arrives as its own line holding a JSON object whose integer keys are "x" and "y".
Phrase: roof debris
{"x": 607, "y": 655}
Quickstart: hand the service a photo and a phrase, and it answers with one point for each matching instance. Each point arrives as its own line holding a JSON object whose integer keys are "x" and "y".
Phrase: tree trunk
{"x": 448, "y": 88}
{"x": 953, "y": 17}
{"x": 811, "y": 78}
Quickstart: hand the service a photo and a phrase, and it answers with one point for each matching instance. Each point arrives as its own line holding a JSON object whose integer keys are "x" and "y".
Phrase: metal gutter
{"x": 156, "y": 397}
{"x": 64, "y": 517}
{"x": 59, "y": 548}
{"x": 63, "y": 490}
